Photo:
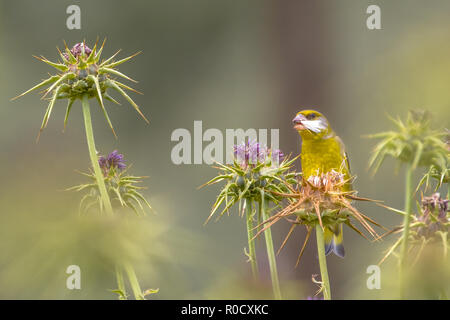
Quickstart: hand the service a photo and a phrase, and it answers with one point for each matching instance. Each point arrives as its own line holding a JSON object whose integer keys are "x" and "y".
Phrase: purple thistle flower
{"x": 77, "y": 50}
{"x": 277, "y": 156}
{"x": 113, "y": 160}
{"x": 252, "y": 153}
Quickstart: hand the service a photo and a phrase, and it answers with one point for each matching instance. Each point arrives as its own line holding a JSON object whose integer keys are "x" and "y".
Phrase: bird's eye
{"x": 311, "y": 116}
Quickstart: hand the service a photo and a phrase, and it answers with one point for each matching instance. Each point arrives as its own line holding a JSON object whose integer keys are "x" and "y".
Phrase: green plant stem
{"x": 133, "y": 281}
{"x": 323, "y": 263}
{"x": 263, "y": 205}
{"x": 251, "y": 241}
{"x": 120, "y": 282}
{"x": 448, "y": 190}
{"x": 105, "y": 196}
{"x": 406, "y": 223}
{"x": 93, "y": 155}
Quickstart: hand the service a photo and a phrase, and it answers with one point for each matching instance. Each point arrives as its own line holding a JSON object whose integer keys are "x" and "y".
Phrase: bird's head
{"x": 311, "y": 124}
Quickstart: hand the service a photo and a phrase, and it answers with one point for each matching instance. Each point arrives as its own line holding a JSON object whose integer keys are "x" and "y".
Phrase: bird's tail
{"x": 334, "y": 241}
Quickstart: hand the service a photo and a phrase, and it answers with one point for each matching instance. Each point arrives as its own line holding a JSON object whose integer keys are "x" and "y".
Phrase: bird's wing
{"x": 344, "y": 154}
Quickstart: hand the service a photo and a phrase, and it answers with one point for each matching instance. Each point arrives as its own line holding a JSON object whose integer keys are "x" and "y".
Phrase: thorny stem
{"x": 133, "y": 281}
{"x": 251, "y": 241}
{"x": 93, "y": 155}
{"x": 120, "y": 282}
{"x": 270, "y": 252}
{"x": 406, "y": 223}
{"x": 105, "y": 197}
{"x": 323, "y": 263}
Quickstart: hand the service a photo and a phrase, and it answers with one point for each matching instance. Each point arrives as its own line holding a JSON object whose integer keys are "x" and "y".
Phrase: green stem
{"x": 133, "y": 281}
{"x": 93, "y": 155}
{"x": 406, "y": 223}
{"x": 270, "y": 252}
{"x": 448, "y": 190}
{"x": 120, "y": 282}
{"x": 105, "y": 196}
{"x": 251, "y": 241}
{"x": 323, "y": 263}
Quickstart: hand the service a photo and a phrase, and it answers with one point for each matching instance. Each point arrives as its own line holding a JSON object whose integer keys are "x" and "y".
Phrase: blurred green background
{"x": 250, "y": 64}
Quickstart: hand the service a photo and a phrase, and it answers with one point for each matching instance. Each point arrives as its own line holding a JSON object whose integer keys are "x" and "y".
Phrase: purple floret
{"x": 113, "y": 160}
{"x": 277, "y": 156}
{"x": 77, "y": 50}
{"x": 250, "y": 153}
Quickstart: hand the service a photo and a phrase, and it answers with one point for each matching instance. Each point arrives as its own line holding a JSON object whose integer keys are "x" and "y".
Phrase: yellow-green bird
{"x": 323, "y": 151}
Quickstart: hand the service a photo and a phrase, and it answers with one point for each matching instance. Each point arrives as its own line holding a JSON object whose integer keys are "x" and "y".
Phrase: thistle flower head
{"x": 252, "y": 153}
{"x": 78, "y": 51}
{"x": 415, "y": 142}
{"x": 80, "y": 73}
{"x": 255, "y": 171}
{"x": 123, "y": 189}
{"x": 430, "y": 225}
{"x": 433, "y": 216}
{"x": 320, "y": 200}
{"x": 114, "y": 161}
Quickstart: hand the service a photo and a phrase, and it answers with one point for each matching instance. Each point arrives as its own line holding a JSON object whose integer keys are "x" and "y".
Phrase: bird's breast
{"x": 320, "y": 156}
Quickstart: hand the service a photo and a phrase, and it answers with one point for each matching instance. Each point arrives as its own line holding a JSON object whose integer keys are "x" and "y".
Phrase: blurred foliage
{"x": 231, "y": 64}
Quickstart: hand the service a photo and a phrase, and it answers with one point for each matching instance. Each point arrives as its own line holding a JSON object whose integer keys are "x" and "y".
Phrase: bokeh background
{"x": 249, "y": 64}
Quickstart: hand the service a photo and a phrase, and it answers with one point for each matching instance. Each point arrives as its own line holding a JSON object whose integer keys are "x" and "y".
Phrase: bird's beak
{"x": 297, "y": 121}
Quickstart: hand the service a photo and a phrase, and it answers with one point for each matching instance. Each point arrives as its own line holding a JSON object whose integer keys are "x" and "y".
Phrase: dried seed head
{"x": 320, "y": 200}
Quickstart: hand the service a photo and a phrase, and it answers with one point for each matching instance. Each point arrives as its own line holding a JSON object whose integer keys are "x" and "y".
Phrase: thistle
{"x": 318, "y": 203}
{"x": 82, "y": 74}
{"x": 439, "y": 172}
{"x": 122, "y": 187}
{"x": 428, "y": 242}
{"x": 255, "y": 174}
{"x": 415, "y": 143}
{"x": 430, "y": 225}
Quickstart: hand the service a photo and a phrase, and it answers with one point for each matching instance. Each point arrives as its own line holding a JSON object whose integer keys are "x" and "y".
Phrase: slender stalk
{"x": 323, "y": 263}
{"x": 406, "y": 223}
{"x": 270, "y": 252}
{"x": 251, "y": 241}
{"x": 133, "y": 281}
{"x": 448, "y": 190}
{"x": 105, "y": 197}
{"x": 93, "y": 155}
{"x": 120, "y": 281}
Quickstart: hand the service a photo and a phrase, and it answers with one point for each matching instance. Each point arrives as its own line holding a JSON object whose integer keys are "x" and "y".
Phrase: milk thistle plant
{"x": 124, "y": 193}
{"x": 256, "y": 172}
{"x": 316, "y": 203}
{"x": 430, "y": 224}
{"x": 122, "y": 187}
{"x": 82, "y": 76}
{"x": 428, "y": 236}
{"x": 416, "y": 144}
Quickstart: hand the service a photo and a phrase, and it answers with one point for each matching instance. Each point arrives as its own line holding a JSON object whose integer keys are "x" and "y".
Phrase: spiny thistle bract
{"x": 121, "y": 187}
{"x": 430, "y": 225}
{"x": 440, "y": 173}
{"x": 415, "y": 142}
{"x": 82, "y": 74}
{"x": 255, "y": 171}
{"x": 319, "y": 200}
